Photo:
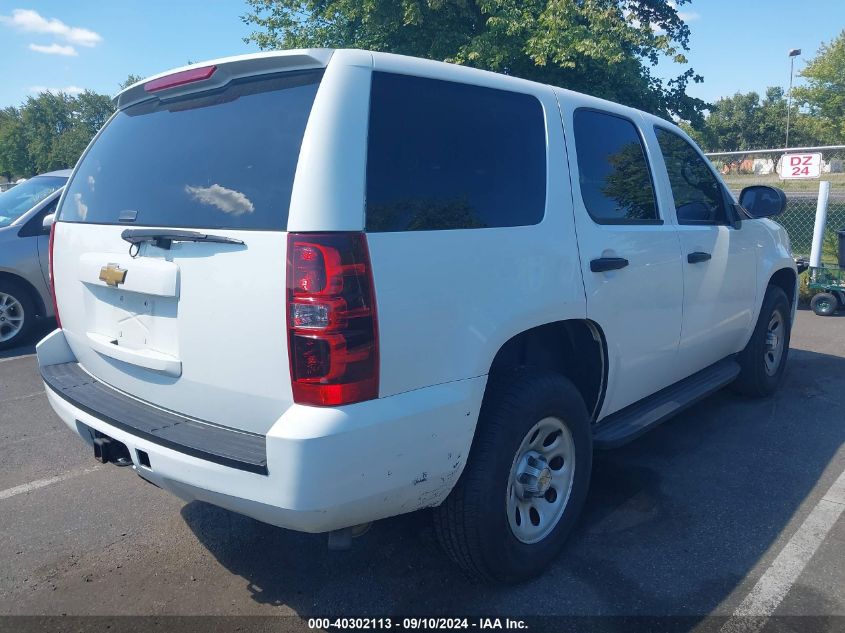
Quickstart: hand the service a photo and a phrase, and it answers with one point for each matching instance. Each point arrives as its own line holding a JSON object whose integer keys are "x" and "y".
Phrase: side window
{"x": 698, "y": 196}
{"x": 445, "y": 155}
{"x": 613, "y": 170}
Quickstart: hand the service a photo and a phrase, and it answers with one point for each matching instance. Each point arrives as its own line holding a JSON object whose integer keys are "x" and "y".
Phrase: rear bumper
{"x": 229, "y": 447}
{"x": 326, "y": 468}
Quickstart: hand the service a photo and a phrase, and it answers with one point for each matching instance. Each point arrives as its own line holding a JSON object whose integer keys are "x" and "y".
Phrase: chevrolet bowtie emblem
{"x": 113, "y": 275}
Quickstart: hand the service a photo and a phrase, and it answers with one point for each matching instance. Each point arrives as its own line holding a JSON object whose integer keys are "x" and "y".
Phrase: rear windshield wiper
{"x": 164, "y": 239}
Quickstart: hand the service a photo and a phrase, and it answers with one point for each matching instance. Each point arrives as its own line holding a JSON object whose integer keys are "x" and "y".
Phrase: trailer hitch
{"x": 110, "y": 451}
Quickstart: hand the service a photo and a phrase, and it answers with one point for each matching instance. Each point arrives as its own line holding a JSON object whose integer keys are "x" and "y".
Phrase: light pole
{"x": 793, "y": 53}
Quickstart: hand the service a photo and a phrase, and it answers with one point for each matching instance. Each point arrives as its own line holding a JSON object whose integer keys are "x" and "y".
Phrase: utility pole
{"x": 793, "y": 53}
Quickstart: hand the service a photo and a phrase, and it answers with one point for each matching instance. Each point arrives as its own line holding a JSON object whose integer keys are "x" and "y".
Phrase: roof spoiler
{"x": 227, "y": 69}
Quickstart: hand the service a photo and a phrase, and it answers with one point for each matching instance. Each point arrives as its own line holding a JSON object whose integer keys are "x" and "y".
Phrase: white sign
{"x": 800, "y": 166}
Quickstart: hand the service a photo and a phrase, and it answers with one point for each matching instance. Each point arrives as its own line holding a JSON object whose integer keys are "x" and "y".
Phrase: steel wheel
{"x": 540, "y": 480}
{"x": 775, "y": 336}
{"x": 12, "y": 317}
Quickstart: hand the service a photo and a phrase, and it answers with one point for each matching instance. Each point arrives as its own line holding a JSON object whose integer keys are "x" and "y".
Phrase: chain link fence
{"x": 763, "y": 167}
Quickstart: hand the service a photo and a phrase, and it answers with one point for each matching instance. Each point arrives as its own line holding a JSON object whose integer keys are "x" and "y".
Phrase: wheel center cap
{"x": 772, "y": 341}
{"x": 544, "y": 480}
{"x": 534, "y": 476}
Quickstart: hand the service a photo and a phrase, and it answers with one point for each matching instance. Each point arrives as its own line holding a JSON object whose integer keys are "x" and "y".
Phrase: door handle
{"x": 698, "y": 257}
{"x": 603, "y": 264}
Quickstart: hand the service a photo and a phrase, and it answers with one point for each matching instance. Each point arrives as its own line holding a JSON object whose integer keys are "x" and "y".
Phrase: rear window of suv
{"x": 446, "y": 155}
{"x": 223, "y": 158}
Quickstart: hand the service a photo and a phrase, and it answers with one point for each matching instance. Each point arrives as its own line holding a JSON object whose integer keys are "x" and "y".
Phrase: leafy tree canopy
{"x": 745, "y": 121}
{"x": 607, "y": 48}
{"x": 49, "y": 131}
{"x": 130, "y": 79}
{"x": 824, "y": 92}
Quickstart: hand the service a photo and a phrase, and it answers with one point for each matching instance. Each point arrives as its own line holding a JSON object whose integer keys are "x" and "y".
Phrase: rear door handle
{"x": 603, "y": 264}
{"x": 697, "y": 257}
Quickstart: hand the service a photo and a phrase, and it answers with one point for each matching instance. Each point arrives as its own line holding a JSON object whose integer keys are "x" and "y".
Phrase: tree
{"x": 49, "y": 131}
{"x": 824, "y": 93}
{"x": 731, "y": 123}
{"x": 744, "y": 121}
{"x": 14, "y": 157}
{"x": 92, "y": 110}
{"x": 130, "y": 79}
{"x": 602, "y": 47}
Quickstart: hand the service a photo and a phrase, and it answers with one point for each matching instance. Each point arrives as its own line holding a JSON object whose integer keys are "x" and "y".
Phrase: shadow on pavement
{"x": 42, "y": 329}
{"x": 674, "y": 522}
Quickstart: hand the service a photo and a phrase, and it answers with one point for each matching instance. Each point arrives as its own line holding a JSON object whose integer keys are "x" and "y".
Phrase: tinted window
{"x": 445, "y": 155}
{"x": 21, "y": 198}
{"x": 614, "y": 174}
{"x": 219, "y": 159}
{"x": 697, "y": 192}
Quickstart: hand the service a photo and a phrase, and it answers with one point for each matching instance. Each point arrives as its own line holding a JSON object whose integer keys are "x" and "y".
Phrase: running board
{"x": 628, "y": 424}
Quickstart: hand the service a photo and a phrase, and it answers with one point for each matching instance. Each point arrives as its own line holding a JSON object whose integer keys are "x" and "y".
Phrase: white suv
{"x": 322, "y": 288}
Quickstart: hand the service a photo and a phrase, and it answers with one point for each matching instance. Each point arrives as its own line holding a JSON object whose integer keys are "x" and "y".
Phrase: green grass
{"x": 738, "y": 181}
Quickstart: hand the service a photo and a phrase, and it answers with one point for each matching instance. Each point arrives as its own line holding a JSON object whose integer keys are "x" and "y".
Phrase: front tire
{"x": 763, "y": 361}
{"x": 17, "y": 314}
{"x": 525, "y": 482}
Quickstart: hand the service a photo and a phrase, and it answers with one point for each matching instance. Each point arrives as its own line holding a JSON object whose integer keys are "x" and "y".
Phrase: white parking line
{"x": 777, "y": 580}
{"x": 41, "y": 483}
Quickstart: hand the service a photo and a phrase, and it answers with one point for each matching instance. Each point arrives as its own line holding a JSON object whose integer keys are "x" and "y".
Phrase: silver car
{"x": 24, "y": 253}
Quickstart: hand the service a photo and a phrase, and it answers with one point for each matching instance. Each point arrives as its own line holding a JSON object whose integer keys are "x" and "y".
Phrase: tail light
{"x": 52, "y": 276}
{"x": 331, "y": 318}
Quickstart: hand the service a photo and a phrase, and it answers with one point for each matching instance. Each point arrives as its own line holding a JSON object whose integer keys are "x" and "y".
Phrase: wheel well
{"x": 786, "y": 280}
{"x": 33, "y": 293}
{"x": 575, "y": 349}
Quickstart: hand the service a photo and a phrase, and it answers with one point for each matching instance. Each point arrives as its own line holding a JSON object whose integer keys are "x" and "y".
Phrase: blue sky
{"x": 737, "y": 45}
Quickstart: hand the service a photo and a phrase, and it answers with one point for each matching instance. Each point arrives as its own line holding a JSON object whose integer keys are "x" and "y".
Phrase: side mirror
{"x": 47, "y": 222}
{"x": 761, "y": 201}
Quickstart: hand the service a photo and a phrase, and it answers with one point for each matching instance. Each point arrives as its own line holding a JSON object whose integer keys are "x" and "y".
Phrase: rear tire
{"x": 763, "y": 361}
{"x": 533, "y": 425}
{"x": 17, "y": 314}
{"x": 824, "y": 304}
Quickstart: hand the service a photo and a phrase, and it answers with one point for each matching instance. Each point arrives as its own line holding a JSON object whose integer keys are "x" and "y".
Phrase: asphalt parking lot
{"x": 714, "y": 513}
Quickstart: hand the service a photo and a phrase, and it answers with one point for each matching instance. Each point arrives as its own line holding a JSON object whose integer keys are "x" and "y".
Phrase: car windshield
{"x": 21, "y": 198}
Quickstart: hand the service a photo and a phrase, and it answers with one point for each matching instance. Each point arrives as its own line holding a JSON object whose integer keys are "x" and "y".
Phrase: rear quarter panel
{"x": 448, "y": 300}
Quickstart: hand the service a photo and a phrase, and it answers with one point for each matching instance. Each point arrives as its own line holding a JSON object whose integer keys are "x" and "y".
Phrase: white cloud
{"x": 29, "y": 21}
{"x": 70, "y": 90}
{"x": 54, "y": 49}
{"x": 227, "y": 200}
{"x": 686, "y": 16}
